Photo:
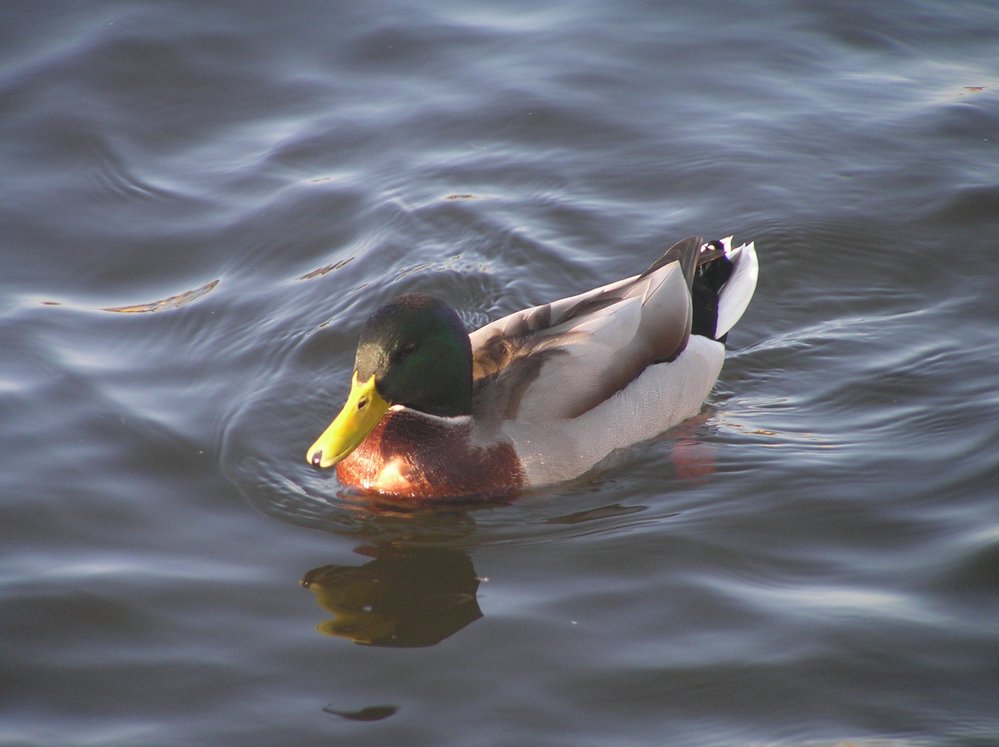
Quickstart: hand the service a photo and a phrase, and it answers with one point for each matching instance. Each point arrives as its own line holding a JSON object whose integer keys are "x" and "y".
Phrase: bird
{"x": 538, "y": 397}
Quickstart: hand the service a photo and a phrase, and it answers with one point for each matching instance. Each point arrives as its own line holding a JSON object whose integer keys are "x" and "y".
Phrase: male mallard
{"x": 539, "y": 396}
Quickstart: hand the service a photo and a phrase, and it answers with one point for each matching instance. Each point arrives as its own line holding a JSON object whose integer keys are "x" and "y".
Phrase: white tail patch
{"x": 738, "y": 290}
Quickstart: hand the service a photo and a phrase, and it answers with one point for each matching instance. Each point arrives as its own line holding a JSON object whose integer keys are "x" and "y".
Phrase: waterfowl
{"x": 542, "y": 395}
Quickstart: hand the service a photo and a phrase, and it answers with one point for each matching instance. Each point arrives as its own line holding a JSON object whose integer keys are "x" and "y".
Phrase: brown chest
{"x": 425, "y": 459}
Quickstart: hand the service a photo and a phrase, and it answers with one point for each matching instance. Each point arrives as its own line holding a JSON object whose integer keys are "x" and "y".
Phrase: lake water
{"x": 203, "y": 201}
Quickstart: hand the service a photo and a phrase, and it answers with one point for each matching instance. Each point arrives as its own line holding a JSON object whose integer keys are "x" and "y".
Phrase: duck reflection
{"x": 404, "y": 596}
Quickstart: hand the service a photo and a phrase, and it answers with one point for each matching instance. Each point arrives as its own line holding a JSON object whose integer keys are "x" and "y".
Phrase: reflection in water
{"x": 692, "y": 458}
{"x": 596, "y": 514}
{"x": 164, "y": 304}
{"x": 371, "y": 713}
{"x": 406, "y": 596}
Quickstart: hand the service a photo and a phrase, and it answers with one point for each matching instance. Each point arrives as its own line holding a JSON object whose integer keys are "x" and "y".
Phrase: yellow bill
{"x": 359, "y": 416}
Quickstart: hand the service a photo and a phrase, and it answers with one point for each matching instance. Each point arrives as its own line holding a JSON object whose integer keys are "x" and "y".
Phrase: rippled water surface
{"x": 203, "y": 201}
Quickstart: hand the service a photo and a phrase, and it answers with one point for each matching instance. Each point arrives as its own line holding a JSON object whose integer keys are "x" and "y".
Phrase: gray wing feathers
{"x": 561, "y": 359}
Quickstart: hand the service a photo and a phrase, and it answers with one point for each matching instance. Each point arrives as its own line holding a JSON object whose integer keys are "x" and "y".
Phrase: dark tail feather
{"x": 714, "y": 269}
{"x": 706, "y": 268}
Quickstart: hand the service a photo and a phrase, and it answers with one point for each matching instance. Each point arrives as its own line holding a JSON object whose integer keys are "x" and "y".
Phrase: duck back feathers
{"x": 619, "y": 364}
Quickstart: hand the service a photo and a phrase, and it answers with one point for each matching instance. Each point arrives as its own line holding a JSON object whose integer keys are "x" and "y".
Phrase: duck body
{"x": 542, "y": 395}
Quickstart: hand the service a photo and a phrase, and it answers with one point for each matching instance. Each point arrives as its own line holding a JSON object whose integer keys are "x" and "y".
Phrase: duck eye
{"x": 408, "y": 348}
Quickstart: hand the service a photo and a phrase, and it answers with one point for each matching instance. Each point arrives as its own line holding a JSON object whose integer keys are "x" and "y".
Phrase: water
{"x": 202, "y": 202}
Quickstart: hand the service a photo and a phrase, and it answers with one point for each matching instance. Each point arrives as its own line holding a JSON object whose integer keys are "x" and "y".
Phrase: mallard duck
{"x": 540, "y": 396}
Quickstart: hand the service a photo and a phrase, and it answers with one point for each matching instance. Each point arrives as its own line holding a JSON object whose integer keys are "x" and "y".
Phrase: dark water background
{"x": 201, "y": 203}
